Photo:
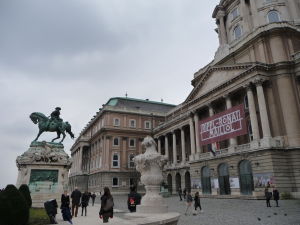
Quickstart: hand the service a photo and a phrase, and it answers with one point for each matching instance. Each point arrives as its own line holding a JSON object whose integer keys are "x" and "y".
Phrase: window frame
{"x": 113, "y": 143}
{"x": 131, "y": 161}
{"x": 116, "y": 124}
{"x": 278, "y": 15}
{"x": 112, "y": 181}
{"x": 132, "y": 120}
{"x": 115, "y": 160}
{"x": 233, "y": 16}
{"x": 145, "y": 122}
{"x": 235, "y": 37}
{"x": 134, "y": 140}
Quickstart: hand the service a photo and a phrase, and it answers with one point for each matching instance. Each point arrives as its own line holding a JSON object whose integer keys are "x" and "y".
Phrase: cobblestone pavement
{"x": 232, "y": 211}
{"x": 215, "y": 212}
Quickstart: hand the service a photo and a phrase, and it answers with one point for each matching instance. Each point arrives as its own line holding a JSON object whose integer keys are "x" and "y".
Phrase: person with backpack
{"x": 180, "y": 193}
{"x": 184, "y": 193}
{"x": 134, "y": 199}
{"x": 107, "y": 206}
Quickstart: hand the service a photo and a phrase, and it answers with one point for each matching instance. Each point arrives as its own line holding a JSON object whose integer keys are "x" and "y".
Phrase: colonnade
{"x": 193, "y": 121}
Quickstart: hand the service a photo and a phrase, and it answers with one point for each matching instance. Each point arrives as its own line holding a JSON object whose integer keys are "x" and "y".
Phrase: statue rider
{"x": 54, "y": 116}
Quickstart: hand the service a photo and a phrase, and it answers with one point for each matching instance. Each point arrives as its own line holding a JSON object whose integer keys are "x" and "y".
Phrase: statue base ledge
{"x": 45, "y": 143}
{"x": 153, "y": 209}
{"x": 169, "y": 218}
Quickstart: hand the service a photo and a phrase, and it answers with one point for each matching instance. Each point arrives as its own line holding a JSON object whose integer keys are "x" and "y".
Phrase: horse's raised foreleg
{"x": 58, "y": 136}
{"x": 39, "y": 134}
{"x": 64, "y": 135}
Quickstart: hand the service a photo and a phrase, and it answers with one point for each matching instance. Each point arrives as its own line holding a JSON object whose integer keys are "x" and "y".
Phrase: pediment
{"x": 214, "y": 77}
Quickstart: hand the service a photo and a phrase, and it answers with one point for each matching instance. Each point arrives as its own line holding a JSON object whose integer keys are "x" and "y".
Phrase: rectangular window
{"x": 116, "y": 141}
{"x": 116, "y": 122}
{"x": 147, "y": 125}
{"x": 131, "y": 162}
{"x": 234, "y": 13}
{"x": 132, "y": 123}
{"x": 131, "y": 142}
{"x": 115, "y": 182}
{"x": 115, "y": 160}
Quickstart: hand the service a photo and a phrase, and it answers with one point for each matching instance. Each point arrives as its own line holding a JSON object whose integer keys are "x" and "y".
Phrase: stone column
{"x": 232, "y": 141}
{"x": 289, "y": 109}
{"x": 294, "y": 9}
{"x": 263, "y": 109}
{"x": 222, "y": 30}
{"x": 192, "y": 137}
{"x": 182, "y": 146}
{"x": 196, "y": 119}
{"x": 245, "y": 15}
{"x": 80, "y": 159}
{"x": 252, "y": 112}
{"x": 167, "y": 147}
{"x": 254, "y": 12}
{"x": 210, "y": 109}
{"x": 174, "y": 148}
{"x": 159, "y": 145}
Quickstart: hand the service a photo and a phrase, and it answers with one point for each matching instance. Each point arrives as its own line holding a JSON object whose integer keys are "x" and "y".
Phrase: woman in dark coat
{"x": 107, "y": 206}
{"x": 65, "y": 207}
{"x": 84, "y": 202}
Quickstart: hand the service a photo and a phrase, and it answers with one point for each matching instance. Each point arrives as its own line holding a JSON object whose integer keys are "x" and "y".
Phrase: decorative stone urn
{"x": 150, "y": 165}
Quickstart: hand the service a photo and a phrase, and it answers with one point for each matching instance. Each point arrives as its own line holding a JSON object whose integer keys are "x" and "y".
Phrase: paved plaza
{"x": 215, "y": 212}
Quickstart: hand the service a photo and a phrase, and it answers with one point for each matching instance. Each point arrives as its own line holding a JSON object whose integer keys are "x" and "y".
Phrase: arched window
{"x": 115, "y": 182}
{"x": 237, "y": 32}
{"x": 116, "y": 141}
{"x": 273, "y": 16}
{"x": 205, "y": 180}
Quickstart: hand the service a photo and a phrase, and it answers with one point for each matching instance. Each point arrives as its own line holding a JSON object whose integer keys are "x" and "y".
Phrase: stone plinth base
{"x": 44, "y": 167}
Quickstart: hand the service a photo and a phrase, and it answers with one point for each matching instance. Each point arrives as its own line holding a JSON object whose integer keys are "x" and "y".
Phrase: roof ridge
{"x": 140, "y": 100}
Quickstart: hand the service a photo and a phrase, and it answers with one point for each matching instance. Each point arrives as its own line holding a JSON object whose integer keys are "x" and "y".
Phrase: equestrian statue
{"x": 52, "y": 124}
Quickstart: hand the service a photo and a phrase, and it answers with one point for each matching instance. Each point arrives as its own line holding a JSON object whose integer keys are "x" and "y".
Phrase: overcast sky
{"x": 76, "y": 54}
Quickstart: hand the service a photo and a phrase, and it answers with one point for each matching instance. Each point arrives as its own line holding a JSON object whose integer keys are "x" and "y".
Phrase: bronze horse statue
{"x": 45, "y": 124}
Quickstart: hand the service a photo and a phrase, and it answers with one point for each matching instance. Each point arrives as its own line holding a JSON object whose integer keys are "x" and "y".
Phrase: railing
{"x": 243, "y": 147}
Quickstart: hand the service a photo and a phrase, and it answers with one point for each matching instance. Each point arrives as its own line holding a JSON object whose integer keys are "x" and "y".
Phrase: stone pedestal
{"x": 153, "y": 209}
{"x": 44, "y": 167}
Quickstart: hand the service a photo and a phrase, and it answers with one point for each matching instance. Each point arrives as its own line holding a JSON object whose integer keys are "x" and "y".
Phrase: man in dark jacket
{"x": 268, "y": 196}
{"x": 76, "y": 195}
{"x": 134, "y": 199}
{"x": 85, "y": 202}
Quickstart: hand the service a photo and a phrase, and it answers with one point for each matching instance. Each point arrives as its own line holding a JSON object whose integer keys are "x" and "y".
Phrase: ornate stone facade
{"x": 257, "y": 65}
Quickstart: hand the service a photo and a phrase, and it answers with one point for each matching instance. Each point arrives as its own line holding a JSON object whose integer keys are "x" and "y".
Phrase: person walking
{"x": 76, "y": 195}
{"x": 268, "y": 196}
{"x": 189, "y": 201}
{"x": 133, "y": 200}
{"x": 84, "y": 202}
{"x": 93, "y": 196}
{"x": 65, "y": 207}
{"x": 184, "y": 193}
{"x": 107, "y": 206}
{"x": 180, "y": 193}
{"x": 197, "y": 202}
{"x": 276, "y": 196}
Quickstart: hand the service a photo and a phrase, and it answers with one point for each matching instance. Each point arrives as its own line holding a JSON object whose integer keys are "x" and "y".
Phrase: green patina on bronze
{"x": 52, "y": 124}
{"x": 43, "y": 176}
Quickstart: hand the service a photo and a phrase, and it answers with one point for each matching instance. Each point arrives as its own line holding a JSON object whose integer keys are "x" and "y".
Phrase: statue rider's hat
{"x": 58, "y": 108}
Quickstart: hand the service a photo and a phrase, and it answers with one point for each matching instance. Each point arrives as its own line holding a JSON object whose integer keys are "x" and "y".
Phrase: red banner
{"x": 222, "y": 126}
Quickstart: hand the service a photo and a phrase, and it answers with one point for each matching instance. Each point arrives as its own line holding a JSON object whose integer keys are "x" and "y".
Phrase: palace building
{"x": 238, "y": 131}
{"x": 104, "y": 151}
